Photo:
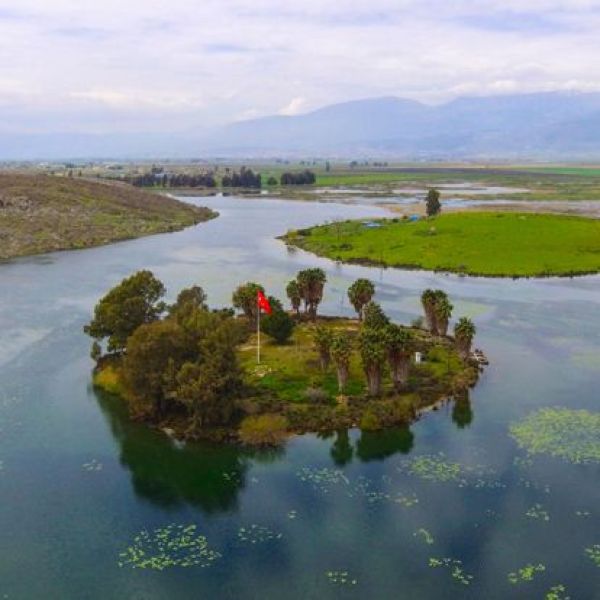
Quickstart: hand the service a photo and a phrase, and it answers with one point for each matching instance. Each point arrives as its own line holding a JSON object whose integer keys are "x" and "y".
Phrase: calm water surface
{"x": 78, "y": 481}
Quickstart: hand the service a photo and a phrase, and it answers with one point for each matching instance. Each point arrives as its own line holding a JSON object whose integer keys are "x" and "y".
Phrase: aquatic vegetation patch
{"x": 92, "y": 465}
{"x": 292, "y": 514}
{"x": 424, "y": 535}
{"x": 170, "y": 546}
{"x": 257, "y": 534}
{"x": 573, "y": 435}
{"x": 557, "y": 592}
{"x": 537, "y": 511}
{"x": 583, "y": 513}
{"x": 340, "y": 578}
{"x": 526, "y": 573}
{"x": 406, "y": 500}
{"x": 593, "y": 553}
{"x": 322, "y": 479}
{"x": 455, "y": 567}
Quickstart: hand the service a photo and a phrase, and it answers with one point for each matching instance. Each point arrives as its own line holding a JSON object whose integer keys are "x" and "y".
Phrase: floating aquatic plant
{"x": 93, "y": 465}
{"x": 170, "y": 546}
{"x": 424, "y": 535}
{"x": 557, "y": 592}
{"x": 292, "y": 514}
{"x": 455, "y": 566}
{"x": 572, "y": 435}
{"x": 583, "y": 513}
{"x": 526, "y": 573}
{"x": 537, "y": 511}
{"x": 340, "y": 578}
{"x": 593, "y": 553}
{"x": 406, "y": 501}
{"x": 257, "y": 534}
{"x": 322, "y": 479}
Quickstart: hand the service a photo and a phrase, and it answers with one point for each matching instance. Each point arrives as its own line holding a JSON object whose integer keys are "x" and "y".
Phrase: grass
{"x": 499, "y": 244}
{"x": 40, "y": 213}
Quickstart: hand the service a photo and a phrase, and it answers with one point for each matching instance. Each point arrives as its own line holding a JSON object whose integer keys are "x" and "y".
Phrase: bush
{"x": 369, "y": 421}
{"x": 279, "y": 325}
{"x": 263, "y": 430}
{"x": 316, "y": 395}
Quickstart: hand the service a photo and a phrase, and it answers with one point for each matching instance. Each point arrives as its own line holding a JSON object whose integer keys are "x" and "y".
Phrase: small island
{"x": 43, "y": 213}
{"x": 491, "y": 244}
{"x": 197, "y": 372}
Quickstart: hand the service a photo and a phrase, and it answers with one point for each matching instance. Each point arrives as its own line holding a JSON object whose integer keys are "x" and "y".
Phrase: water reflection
{"x": 169, "y": 474}
{"x": 462, "y": 411}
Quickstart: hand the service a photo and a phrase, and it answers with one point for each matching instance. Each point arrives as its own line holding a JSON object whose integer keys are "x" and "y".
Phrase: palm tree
{"x": 341, "y": 351}
{"x": 360, "y": 293}
{"x": 293, "y": 293}
{"x": 311, "y": 283}
{"x": 322, "y": 338}
{"x": 374, "y": 317}
{"x": 398, "y": 343}
{"x": 372, "y": 353}
{"x": 443, "y": 312}
{"x": 464, "y": 332}
{"x": 428, "y": 298}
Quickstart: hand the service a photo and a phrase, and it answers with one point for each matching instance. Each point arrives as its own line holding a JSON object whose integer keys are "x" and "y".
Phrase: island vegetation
{"x": 194, "y": 370}
{"x": 495, "y": 244}
{"x": 39, "y": 213}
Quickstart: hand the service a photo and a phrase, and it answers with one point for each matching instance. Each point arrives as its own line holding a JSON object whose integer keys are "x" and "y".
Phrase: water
{"x": 78, "y": 480}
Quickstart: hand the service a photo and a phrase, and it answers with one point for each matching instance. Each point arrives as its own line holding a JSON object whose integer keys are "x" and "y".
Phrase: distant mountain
{"x": 544, "y": 126}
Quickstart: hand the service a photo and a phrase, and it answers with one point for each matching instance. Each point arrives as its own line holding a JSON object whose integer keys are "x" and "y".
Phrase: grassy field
{"x": 475, "y": 243}
{"x": 41, "y": 213}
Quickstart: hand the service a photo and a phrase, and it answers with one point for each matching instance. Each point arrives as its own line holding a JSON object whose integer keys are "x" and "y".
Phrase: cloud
{"x": 120, "y": 66}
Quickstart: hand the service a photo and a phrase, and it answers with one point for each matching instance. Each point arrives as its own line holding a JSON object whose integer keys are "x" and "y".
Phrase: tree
{"x": 96, "y": 351}
{"x": 154, "y": 351}
{"x": 311, "y": 283}
{"x": 271, "y": 181}
{"x": 464, "y": 332}
{"x": 189, "y": 299}
{"x": 209, "y": 386}
{"x": 279, "y": 325}
{"x": 372, "y": 354}
{"x": 341, "y": 351}
{"x": 132, "y": 303}
{"x": 432, "y": 201}
{"x": 360, "y": 293}
{"x": 323, "y": 338}
{"x": 245, "y": 299}
{"x": 428, "y": 300}
{"x": 293, "y": 293}
{"x": 398, "y": 344}
{"x": 443, "y": 312}
{"x": 374, "y": 317}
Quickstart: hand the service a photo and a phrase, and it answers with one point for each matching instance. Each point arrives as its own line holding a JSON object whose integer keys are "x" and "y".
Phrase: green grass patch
{"x": 477, "y": 243}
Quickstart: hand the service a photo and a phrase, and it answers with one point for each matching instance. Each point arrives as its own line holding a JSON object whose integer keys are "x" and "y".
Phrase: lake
{"x": 446, "y": 509}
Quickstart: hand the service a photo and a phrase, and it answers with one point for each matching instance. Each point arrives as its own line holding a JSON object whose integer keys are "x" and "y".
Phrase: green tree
{"x": 245, "y": 298}
{"x": 311, "y": 283}
{"x": 96, "y": 351}
{"x": 433, "y": 205}
{"x": 428, "y": 300}
{"x": 374, "y": 317}
{"x": 322, "y": 339}
{"x": 399, "y": 345}
{"x": 134, "y": 302}
{"x": 293, "y": 293}
{"x": 372, "y": 354}
{"x": 279, "y": 325}
{"x": 341, "y": 352}
{"x": 360, "y": 293}
{"x": 188, "y": 300}
{"x": 443, "y": 312}
{"x": 464, "y": 333}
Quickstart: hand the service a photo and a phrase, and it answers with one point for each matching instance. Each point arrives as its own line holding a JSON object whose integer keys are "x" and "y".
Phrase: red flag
{"x": 263, "y": 303}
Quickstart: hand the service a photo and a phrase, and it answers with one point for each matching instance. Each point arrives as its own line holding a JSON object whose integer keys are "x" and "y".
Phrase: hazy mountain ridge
{"x": 553, "y": 125}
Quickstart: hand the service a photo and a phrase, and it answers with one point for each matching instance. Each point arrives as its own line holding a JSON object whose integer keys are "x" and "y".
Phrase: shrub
{"x": 279, "y": 325}
{"x": 369, "y": 421}
{"x": 263, "y": 430}
{"x": 316, "y": 395}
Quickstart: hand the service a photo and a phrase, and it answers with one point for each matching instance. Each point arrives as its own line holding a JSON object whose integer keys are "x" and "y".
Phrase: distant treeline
{"x": 305, "y": 177}
{"x": 173, "y": 180}
{"x": 245, "y": 178}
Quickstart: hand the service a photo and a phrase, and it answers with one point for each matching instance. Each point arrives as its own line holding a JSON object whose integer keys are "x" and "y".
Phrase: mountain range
{"x": 541, "y": 126}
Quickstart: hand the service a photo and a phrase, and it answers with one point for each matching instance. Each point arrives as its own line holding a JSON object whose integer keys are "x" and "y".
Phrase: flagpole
{"x": 258, "y": 336}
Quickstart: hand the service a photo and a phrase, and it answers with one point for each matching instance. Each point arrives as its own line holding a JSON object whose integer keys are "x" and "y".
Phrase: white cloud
{"x": 187, "y": 63}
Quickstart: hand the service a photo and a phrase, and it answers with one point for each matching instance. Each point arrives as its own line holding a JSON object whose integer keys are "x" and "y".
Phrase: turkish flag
{"x": 263, "y": 303}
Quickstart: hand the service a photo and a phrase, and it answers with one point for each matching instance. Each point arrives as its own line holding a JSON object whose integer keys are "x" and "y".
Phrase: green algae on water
{"x": 424, "y": 535}
{"x": 573, "y": 435}
{"x": 170, "y": 546}
{"x": 537, "y": 511}
{"x": 257, "y": 534}
{"x": 593, "y": 553}
{"x": 557, "y": 592}
{"x": 455, "y": 566}
{"x": 526, "y": 573}
{"x": 340, "y": 578}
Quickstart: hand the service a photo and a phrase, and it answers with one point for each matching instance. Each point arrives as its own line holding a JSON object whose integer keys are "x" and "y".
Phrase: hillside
{"x": 40, "y": 213}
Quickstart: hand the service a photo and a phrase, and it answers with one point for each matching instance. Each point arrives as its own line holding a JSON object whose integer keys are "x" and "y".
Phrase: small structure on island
{"x": 418, "y": 358}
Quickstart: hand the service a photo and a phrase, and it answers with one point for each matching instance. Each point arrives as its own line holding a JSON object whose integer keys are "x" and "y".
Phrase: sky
{"x": 145, "y": 65}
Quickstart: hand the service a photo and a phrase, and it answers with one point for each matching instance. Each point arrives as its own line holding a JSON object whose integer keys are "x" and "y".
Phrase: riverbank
{"x": 41, "y": 214}
{"x": 491, "y": 244}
